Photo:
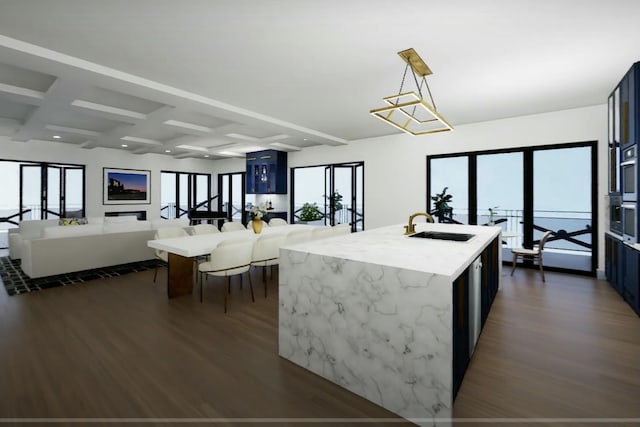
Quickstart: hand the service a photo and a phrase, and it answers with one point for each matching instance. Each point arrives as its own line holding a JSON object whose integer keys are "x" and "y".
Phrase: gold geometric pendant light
{"x": 408, "y": 111}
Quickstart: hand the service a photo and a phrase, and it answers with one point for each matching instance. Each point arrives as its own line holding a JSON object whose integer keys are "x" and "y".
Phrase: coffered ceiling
{"x": 217, "y": 78}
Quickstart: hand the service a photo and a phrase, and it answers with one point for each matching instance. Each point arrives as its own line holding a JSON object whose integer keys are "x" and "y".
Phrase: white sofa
{"x": 100, "y": 243}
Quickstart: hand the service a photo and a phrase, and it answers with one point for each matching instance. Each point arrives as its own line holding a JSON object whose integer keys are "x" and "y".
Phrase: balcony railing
{"x": 572, "y": 230}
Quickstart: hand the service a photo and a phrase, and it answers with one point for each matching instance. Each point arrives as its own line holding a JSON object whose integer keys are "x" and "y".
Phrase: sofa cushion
{"x": 120, "y": 219}
{"x": 57, "y": 232}
{"x": 126, "y": 226}
{"x": 176, "y": 222}
{"x": 95, "y": 220}
{"x": 32, "y": 228}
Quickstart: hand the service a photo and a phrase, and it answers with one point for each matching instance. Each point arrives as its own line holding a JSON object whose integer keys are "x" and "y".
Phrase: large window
{"x": 337, "y": 190}
{"x": 527, "y": 191}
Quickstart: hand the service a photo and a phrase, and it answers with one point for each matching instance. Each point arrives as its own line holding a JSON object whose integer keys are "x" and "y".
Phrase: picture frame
{"x": 126, "y": 187}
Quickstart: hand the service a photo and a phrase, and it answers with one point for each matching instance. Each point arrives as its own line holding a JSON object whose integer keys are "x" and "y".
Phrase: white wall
{"x": 97, "y": 158}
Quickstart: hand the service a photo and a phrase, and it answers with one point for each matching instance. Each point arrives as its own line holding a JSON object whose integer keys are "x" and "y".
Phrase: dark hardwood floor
{"x": 117, "y": 348}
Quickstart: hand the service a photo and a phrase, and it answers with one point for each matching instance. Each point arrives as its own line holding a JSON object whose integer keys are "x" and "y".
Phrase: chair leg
{"x": 225, "y": 294}
{"x": 241, "y": 281}
{"x": 264, "y": 279}
{"x": 250, "y": 287}
{"x": 541, "y": 270}
{"x": 155, "y": 273}
{"x": 201, "y": 285}
{"x": 515, "y": 260}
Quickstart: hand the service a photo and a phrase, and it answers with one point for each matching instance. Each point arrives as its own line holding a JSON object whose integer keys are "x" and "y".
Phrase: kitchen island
{"x": 390, "y": 317}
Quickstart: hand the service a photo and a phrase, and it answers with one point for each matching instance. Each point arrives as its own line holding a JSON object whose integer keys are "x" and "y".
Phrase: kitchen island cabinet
{"x": 387, "y": 316}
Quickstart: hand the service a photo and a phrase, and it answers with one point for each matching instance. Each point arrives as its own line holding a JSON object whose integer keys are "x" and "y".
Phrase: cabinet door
{"x": 630, "y": 280}
{"x": 618, "y": 266}
{"x": 460, "y": 329}
{"x": 623, "y": 124}
{"x": 608, "y": 258}
{"x": 490, "y": 277}
{"x": 633, "y": 104}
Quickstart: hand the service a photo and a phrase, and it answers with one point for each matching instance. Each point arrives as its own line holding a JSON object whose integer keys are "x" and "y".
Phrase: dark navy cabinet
{"x": 613, "y": 250}
{"x": 266, "y": 172}
{"x": 621, "y": 269}
{"x": 630, "y": 281}
{"x": 460, "y": 329}
{"x": 462, "y": 322}
{"x": 621, "y": 257}
{"x": 626, "y": 123}
{"x": 490, "y": 278}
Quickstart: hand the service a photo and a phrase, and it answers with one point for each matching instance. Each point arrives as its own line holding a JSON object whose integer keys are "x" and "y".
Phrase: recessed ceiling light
{"x": 304, "y": 139}
{"x": 56, "y": 137}
{"x": 167, "y": 151}
{"x": 124, "y": 145}
{"x": 206, "y": 155}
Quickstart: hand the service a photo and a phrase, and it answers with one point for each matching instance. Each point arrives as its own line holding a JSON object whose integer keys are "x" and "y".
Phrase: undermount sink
{"x": 440, "y": 235}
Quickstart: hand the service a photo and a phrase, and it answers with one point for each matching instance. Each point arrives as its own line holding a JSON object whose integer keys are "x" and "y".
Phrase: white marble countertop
{"x": 389, "y": 246}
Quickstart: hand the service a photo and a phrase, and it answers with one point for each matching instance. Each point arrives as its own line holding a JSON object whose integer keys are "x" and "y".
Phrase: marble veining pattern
{"x": 372, "y": 312}
{"x": 382, "y": 332}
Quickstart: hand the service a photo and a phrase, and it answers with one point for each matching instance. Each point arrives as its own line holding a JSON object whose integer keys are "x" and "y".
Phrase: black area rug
{"x": 16, "y": 282}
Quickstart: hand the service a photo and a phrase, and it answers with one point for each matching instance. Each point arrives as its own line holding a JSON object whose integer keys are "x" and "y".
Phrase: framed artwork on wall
{"x": 126, "y": 187}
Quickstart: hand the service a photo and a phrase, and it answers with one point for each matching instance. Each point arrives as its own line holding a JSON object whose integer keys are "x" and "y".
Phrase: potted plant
{"x": 310, "y": 212}
{"x": 441, "y": 206}
{"x": 492, "y": 212}
{"x": 335, "y": 201}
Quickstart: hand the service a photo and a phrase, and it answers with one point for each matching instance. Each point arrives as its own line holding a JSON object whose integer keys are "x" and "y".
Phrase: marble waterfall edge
{"x": 382, "y": 332}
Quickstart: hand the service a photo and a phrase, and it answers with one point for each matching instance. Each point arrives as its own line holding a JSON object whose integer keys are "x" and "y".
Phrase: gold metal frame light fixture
{"x": 408, "y": 111}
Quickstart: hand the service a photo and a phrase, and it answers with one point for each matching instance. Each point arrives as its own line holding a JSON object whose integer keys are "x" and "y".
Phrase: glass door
{"x": 562, "y": 203}
{"x": 53, "y": 196}
{"x": 452, "y": 174}
{"x": 343, "y": 195}
{"x": 336, "y": 190}
{"x": 232, "y": 197}
{"x": 181, "y": 192}
{"x": 500, "y": 196}
{"x": 73, "y": 192}
{"x": 32, "y": 196}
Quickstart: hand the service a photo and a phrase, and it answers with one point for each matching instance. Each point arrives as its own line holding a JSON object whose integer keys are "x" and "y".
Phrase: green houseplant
{"x": 441, "y": 206}
{"x": 310, "y": 212}
{"x": 335, "y": 200}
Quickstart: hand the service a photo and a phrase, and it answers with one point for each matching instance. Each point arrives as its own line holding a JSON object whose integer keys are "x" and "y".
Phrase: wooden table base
{"x": 180, "y": 280}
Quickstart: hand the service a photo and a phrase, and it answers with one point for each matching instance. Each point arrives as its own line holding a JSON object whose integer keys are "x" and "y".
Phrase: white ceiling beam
{"x": 107, "y": 109}
{"x": 65, "y": 129}
{"x": 21, "y": 94}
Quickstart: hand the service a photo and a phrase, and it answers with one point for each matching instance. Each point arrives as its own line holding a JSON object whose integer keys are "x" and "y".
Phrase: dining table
{"x": 183, "y": 250}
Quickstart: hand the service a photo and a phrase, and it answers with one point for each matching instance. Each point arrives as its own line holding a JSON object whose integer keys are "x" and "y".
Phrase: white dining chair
{"x": 297, "y": 236}
{"x": 232, "y": 226}
{"x": 230, "y": 258}
{"x": 322, "y": 232}
{"x": 204, "y": 229}
{"x": 266, "y": 253}
{"x": 166, "y": 233}
{"x": 340, "y": 229}
{"x": 277, "y": 222}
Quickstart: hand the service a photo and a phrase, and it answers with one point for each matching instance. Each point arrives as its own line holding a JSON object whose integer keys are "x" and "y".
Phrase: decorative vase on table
{"x": 256, "y": 224}
{"x": 257, "y": 212}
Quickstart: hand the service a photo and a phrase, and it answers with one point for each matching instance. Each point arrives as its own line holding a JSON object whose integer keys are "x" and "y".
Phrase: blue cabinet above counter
{"x": 267, "y": 172}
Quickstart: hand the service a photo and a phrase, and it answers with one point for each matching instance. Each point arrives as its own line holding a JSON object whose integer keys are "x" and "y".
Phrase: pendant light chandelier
{"x": 408, "y": 111}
